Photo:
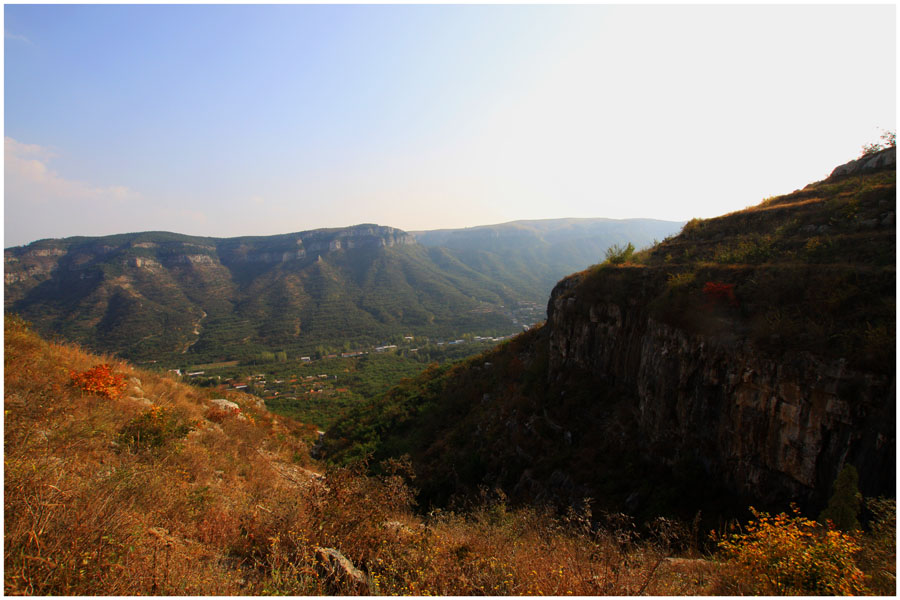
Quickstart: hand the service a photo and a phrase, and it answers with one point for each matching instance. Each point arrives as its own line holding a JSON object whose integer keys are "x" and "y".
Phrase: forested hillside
{"x": 182, "y": 300}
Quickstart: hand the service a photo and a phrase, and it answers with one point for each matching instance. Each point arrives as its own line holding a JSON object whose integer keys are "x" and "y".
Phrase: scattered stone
{"x": 339, "y": 574}
{"x": 874, "y": 162}
{"x": 226, "y": 404}
{"x": 397, "y": 527}
{"x": 141, "y": 401}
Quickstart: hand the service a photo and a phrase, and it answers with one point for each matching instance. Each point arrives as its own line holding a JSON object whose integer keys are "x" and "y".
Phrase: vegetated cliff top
{"x": 811, "y": 270}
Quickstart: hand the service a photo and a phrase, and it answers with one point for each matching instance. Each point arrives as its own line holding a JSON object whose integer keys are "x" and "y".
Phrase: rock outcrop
{"x": 871, "y": 162}
{"x": 773, "y": 427}
{"x": 339, "y": 574}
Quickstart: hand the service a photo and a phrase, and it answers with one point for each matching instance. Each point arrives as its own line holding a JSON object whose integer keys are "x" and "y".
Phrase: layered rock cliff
{"x": 747, "y": 359}
{"x": 766, "y": 358}
{"x": 771, "y": 426}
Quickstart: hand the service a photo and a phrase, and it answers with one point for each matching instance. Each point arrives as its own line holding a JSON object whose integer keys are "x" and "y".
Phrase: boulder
{"x": 226, "y": 405}
{"x": 339, "y": 574}
{"x": 873, "y": 162}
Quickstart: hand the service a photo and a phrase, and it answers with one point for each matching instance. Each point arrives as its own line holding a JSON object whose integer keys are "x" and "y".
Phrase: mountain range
{"x": 167, "y": 296}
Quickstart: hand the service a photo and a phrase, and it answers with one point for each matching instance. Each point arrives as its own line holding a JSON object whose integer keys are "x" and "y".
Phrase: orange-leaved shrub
{"x": 717, "y": 292}
{"x": 100, "y": 380}
{"x": 790, "y": 554}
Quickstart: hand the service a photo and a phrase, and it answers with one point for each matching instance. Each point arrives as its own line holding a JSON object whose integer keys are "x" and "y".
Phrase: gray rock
{"x": 866, "y": 164}
{"x": 868, "y": 224}
{"x": 339, "y": 574}
{"x": 226, "y": 404}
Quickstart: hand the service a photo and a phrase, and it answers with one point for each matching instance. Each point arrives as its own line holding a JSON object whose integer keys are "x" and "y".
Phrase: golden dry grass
{"x": 236, "y": 506}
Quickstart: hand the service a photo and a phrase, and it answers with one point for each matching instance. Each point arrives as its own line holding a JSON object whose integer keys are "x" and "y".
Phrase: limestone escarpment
{"x": 761, "y": 343}
{"x": 773, "y": 426}
{"x": 299, "y": 246}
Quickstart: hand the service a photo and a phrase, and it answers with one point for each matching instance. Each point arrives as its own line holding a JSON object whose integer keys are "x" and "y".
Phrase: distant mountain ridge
{"x": 153, "y": 295}
{"x": 532, "y": 255}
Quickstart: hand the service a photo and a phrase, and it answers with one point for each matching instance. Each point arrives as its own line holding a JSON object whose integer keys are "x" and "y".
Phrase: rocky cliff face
{"x": 747, "y": 359}
{"x": 774, "y": 427}
{"x": 298, "y": 246}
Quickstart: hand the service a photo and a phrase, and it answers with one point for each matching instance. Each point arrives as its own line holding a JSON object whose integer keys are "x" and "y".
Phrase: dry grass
{"x": 234, "y": 506}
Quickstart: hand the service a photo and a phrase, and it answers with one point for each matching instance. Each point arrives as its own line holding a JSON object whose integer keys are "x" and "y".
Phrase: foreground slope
{"x": 747, "y": 359}
{"x": 152, "y": 487}
{"x": 121, "y": 482}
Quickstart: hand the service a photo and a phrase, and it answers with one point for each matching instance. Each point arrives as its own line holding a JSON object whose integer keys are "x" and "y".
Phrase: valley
{"x": 418, "y": 393}
{"x": 321, "y": 389}
{"x": 592, "y": 300}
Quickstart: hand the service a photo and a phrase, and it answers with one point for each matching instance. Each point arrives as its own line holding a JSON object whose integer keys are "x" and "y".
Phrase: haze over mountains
{"x": 159, "y": 295}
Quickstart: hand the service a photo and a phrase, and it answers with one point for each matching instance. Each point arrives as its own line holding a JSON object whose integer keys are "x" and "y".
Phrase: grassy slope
{"x": 813, "y": 270}
{"x": 233, "y": 507}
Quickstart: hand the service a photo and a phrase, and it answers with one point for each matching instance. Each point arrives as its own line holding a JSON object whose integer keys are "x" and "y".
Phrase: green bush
{"x": 846, "y": 501}
{"x": 152, "y": 429}
{"x": 617, "y": 255}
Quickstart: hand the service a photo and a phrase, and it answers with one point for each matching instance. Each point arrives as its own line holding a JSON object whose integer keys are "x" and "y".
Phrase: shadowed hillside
{"x": 749, "y": 358}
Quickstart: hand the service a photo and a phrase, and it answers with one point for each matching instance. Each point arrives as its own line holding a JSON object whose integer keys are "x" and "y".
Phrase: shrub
{"x": 692, "y": 226}
{"x": 152, "y": 429}
{"x": 677, "y": 280}
{"x": 100, "y": 380}
{"x": 617, "y": 255}
{"x": 719, "y": 292}
{"x": 790, "y": 554}
{"x": 888, "y": 140}
{"x": 751, "y": 250}
{"x": 843, "y": 507}
{"x": 878, "y": 558}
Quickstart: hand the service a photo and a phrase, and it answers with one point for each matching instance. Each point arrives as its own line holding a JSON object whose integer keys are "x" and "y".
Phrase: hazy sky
{"x": 251, "y": 120}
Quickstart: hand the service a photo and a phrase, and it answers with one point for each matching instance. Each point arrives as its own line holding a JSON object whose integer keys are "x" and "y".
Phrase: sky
{"x": 227, "y": 120}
